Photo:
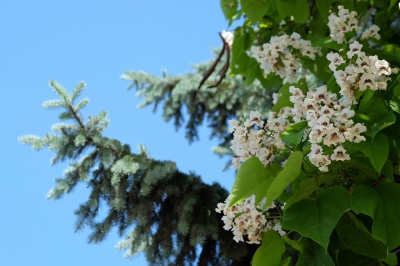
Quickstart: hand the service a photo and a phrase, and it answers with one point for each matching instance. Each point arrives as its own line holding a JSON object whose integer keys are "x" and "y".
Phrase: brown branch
{"x": 225, "y": 68}
{"x": 71, "y": 109}
{"x": 214, "y": 65}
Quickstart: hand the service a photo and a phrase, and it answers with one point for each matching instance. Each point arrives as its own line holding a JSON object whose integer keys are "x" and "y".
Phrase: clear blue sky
{"x": 95, "y": 41}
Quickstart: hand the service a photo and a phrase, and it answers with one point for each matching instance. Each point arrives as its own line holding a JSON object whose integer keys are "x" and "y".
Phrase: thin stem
{"x": 71, "y": 109}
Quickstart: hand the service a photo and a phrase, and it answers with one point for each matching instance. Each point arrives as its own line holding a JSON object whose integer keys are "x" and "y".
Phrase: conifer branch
{"x": 232, "y": 98}
{"x": 171, "y": 214}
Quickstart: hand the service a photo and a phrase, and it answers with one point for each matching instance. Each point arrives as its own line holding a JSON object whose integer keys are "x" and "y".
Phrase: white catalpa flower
{"x": 371, "y": 32}
{"x": 245, "y": 219}
{"x": 339, "y": 154}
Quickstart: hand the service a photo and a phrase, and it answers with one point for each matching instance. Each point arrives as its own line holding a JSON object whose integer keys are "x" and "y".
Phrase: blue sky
{"x": 95, "y": 41}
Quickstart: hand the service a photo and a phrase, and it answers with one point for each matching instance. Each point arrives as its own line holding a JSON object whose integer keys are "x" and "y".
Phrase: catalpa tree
{"x": 305, "y": 98}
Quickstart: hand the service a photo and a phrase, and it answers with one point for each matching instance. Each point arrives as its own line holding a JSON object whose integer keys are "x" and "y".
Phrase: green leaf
{"x": 306, "y": 187}
{"x": 297, "y": 8}
{"x": 254, "y": 9}
{"x": 285, "y": 261}
{"x": 285, "y": 177}
{"x": 377, "y": 150}
{"x": 382, "y": 123}
{"x": 395, "y": 100}
{"x": 294, "y": 133}
{"x": 243, "y": 40}
{"x": 252, "y": 178}
{"x": 391, "y": 260}
{"x": 271, "y": 250}
{"x": 346, "y": 257}
{"x": 392, "y": 4}
{"x": 229, "y": 7}
{"x": 362, "y": 165}
{"x": 395, "y": 104}
{"x": 316, "y": 218}
{"x": 375, "y": 107}
{"x": 283, "y": 98}
{"x": 323, "y": 8}
{"x": 315, "y": 255}
{"x": 387, "y": 170}
{"x": 381, "y": 203}
{"x": 327, "y": 42}
{"x": 296, "y": 244}
{"x": 354, "y": 236}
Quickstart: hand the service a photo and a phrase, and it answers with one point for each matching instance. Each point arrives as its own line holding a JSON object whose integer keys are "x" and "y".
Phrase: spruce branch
{"x": 170, "y": 214}
{"x": 231, "y": 99}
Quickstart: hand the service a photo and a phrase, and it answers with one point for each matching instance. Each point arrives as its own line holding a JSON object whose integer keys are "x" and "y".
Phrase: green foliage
{"x": 317, "y": 217}
{"x": 298, "y": 9}
{"x": 356, "y": 237}
{"x": 252, "y": 178}
{"x": 344, "y": 214}
{"x": 349, "y": 215}
{"x": 294, "y": 134}
{"x": 254, "y": 9}
{"x": 271, "y": 250}
{"x": 285, "y": 177}
{"x": 380, "y": 203}
{"x": 377, "y": 150}
{"x": 314, "y": 255}
{"x": 229, "y": 8}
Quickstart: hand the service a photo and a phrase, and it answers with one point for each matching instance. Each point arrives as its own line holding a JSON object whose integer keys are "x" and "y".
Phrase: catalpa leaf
{"x": 271, "y": 250}
{"x": 254, "y": 9}
{"x": 252, "y": 178}
{"x": 354, "y": 236}
{"x": 285, "y": 177}
{"x": 381, "y": 203}
{"x": 377, "y": 150}
{"x": 316, "y": 218}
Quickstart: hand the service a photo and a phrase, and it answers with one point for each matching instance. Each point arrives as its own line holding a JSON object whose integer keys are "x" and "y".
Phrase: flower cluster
{"x": 282, "y": 55}
{"x": 358, "y": 71}
{"x": 330, "y": 124}
{"x": 371, "y": 32}
{"x": 247, "y": 219}
{"x": 346, "y": 21}
{"x": 342, "y": 23}
{"x": 326, "y": 116}
{"x": 254, "y": 137}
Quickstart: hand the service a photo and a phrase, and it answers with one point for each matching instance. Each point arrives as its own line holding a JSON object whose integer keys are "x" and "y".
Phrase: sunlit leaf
{"x": 285, "y": 177}
{"x": 270, "y": 251}
{"x": 252, "y": 178}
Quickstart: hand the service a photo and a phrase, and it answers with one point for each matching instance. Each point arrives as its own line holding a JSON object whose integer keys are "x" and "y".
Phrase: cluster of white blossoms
{"x": 254, "y": 137}
{"x": 328, "y": 115}
{"x": 346, "y": 21}
{"x": 342, "y": 23}
{"x": 371, "y": 32}
{"x": 246, "y": 219}
{"x": 282, "y": 55}
{"x": 330, "y": 124}
{"x": 357, "y": 71}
